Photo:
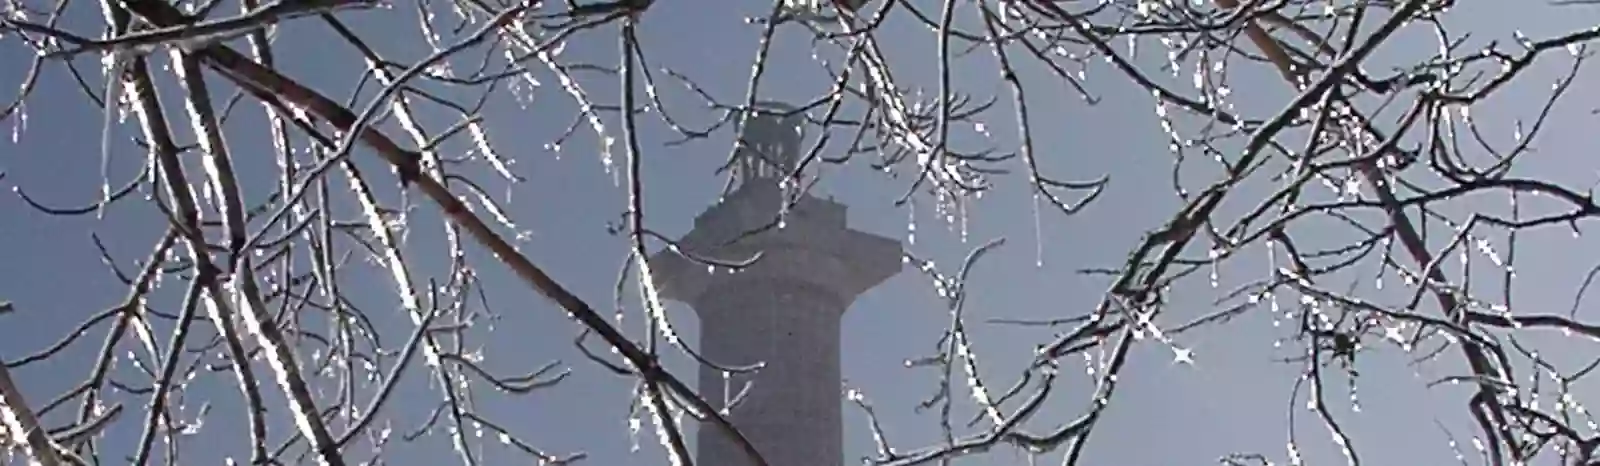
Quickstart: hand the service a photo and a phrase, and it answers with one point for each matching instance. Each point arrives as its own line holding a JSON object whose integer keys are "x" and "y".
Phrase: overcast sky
{"x": 1234, "y": 398}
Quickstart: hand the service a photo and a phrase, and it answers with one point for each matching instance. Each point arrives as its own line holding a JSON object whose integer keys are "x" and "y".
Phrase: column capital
{"x": 814, "y": 247}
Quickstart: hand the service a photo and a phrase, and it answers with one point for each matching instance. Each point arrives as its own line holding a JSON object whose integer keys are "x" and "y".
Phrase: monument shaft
{"x": 790, "y": 409}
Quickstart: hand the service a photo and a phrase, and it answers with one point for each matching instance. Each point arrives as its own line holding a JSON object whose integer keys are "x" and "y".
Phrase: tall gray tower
{"x": 783, "y": 310}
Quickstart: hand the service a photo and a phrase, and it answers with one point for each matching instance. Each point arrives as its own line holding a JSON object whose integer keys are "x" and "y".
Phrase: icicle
{"x": 1216, "y": 264}
{"x": 784, "y": 187}
{"x": 1038, "y": 234}
{"x": 963, "y": 213}
{"x": 114, "y": 62}
{"x": 911, "y": 224}
{"x": 633, "y": 433}
{"x": 21, "y": 124}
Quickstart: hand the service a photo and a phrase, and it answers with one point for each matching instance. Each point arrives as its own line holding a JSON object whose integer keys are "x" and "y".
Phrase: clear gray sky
{"x": 1235, "y": 398}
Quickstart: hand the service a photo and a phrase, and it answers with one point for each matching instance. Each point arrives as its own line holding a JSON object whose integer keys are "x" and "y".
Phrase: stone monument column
{"x": 783, "y": 311}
